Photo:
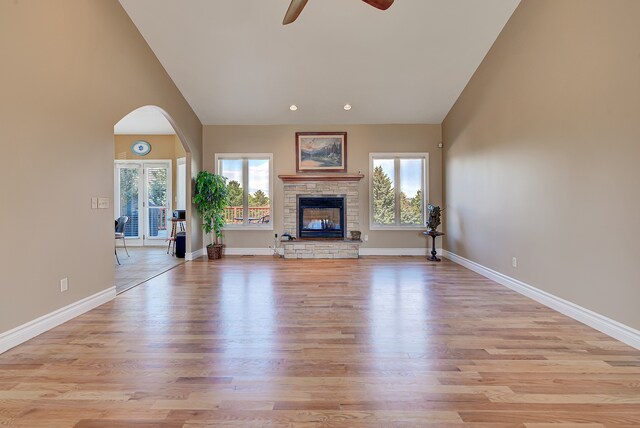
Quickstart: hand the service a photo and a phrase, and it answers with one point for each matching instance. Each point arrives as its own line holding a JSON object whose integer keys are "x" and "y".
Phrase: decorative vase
{"x": 214, "y": 251}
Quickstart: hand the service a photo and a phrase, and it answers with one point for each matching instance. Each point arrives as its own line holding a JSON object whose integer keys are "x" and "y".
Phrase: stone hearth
{"x": 341, "y": 185}
{"x": 308, "y": 249}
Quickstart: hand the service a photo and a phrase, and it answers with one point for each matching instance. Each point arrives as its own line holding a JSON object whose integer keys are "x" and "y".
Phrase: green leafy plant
{"x": 211, "y": 197}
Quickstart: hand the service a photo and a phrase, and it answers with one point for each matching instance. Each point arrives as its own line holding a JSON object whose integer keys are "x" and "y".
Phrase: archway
{"x": 151, "y": 193}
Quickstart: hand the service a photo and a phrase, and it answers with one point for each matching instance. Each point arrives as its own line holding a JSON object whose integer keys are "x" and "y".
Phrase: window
{"x": 143, "y": 193}
{"x": 398, "y": 190}
{"x": 249, "y": 177}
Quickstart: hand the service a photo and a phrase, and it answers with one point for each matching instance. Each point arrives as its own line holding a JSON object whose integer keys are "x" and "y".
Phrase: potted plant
{"x": 211, "y": 198}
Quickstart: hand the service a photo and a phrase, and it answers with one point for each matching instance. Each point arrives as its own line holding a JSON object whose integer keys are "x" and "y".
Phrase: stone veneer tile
{"x": 314, "y": 249}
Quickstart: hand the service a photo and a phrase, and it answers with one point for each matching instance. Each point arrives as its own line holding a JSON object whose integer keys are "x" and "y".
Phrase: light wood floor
{"x": 379, "y": 342}
{"x": 142, "y": 264}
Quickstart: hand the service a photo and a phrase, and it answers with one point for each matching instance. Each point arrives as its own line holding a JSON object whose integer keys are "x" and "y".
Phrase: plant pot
{"x": 214, "y": 252}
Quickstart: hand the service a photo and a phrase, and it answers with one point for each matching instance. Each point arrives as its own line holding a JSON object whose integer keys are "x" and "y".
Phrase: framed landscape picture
{"x": 321, "y": 152}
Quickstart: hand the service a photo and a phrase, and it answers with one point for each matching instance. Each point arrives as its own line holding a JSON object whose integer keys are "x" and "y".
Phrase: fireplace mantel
{"x": 320, "y": 177}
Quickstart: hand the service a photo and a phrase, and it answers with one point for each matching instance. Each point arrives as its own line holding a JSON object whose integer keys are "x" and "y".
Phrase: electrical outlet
{"x": 366, "y": 238}
{"x": 514, "y": 262}
{"x": 94, "y": 203}
{"x": 64, "y": 284}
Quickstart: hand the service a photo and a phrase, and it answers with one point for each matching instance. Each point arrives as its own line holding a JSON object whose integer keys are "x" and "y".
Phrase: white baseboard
{"x": 250, "y": 251}
{"x": 363, "y": 251}
{"x": 195, "y": 254}
{"x": 397, "y": 251}
{"x": 21, "y": 334}
{"x": 610, "y": 327}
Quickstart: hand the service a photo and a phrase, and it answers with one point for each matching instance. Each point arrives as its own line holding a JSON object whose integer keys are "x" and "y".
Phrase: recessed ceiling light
{"x": 347, "y": 107}
{"x": 293, "y": 107}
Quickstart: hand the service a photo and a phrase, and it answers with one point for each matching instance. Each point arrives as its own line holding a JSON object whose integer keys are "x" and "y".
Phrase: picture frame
{"x": 140, "y": 148}
{"x": 321, "y": 152}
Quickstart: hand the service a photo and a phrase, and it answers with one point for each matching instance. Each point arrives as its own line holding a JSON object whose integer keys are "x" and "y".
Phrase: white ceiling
{"x": 236, "y": 63}
{"x": 146, "y": 120}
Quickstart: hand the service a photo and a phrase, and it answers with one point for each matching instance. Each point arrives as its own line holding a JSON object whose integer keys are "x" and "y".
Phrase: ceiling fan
{"x": 296, "y": 6}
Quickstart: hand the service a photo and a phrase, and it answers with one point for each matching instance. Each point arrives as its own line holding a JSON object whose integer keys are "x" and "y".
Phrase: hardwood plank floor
{"x": 375, "y": 342}
{"x": 142, "y": 264}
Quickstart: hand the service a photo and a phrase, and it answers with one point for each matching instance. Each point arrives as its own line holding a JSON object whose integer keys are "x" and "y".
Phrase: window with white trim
{"x": 250, "y": 181}
{"x": 398, "y": 190}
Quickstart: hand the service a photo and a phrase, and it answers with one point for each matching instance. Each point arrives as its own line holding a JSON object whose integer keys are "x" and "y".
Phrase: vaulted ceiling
{"x": 236, "y": 63}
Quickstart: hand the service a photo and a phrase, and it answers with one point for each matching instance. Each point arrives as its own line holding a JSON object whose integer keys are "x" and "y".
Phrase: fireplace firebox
{"x": 321, "y": 217}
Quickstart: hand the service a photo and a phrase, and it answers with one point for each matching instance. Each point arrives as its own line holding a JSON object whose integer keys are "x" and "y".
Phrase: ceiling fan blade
{"x": 294, "y": 10}
{"x": 380, "y": 4}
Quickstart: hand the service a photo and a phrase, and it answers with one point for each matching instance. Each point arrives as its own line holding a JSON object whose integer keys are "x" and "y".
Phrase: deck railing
{"x": 235, "y": 214}
{"x": 157, "y": 221}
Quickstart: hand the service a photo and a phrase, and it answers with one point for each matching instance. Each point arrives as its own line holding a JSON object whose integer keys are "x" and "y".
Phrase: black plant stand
{"x": 433, "y": 234}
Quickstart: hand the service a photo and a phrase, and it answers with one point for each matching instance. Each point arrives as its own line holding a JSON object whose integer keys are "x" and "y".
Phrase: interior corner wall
{"x": 541, "y": 155}
{"x": 70, "y": 70}
{"x": 361, "y": 140}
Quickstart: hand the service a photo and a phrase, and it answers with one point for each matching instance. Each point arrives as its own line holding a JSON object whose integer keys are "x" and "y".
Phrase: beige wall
{"x": 361, "y": 140}
{"x": 542, "y": 151}
{"x": 70, "y": 70}
{"x": 166, "y": 147}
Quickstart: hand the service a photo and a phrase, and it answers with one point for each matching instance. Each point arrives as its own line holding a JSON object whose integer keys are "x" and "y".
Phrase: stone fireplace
{"x": 320, "y": 211}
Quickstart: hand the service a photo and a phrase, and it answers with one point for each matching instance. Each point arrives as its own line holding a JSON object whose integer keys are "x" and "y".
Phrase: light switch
{"x": 94, "y": 203}
{"x": 103, "y": 203}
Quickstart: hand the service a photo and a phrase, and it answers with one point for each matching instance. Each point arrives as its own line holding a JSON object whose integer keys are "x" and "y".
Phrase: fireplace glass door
{"x": 321, "y": 218}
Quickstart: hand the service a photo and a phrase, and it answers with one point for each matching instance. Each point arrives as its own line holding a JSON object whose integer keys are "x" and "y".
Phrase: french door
{"x": 143, "y": 193}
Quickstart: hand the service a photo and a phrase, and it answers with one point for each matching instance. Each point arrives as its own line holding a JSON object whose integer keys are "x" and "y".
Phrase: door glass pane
{"x": 259, "y": 202}
{"x": 157, "y": 203}
{"x": 384, "y": 198}
{"x": 411, "y": 179}
{"x": 232, "y": 169}
{"x": 129, "y": 191}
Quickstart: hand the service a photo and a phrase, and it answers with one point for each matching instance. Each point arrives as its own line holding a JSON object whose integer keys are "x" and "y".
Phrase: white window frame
{"x": 143, "y": 197}
{"x": 425, "y": 189}
{"x": 245, "y": 177}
